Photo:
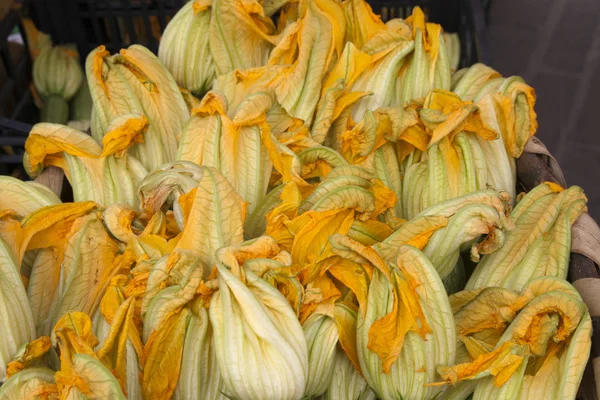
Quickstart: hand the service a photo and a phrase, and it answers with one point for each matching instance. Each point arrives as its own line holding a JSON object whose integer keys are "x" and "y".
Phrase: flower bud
{"x": 260, "y": 346}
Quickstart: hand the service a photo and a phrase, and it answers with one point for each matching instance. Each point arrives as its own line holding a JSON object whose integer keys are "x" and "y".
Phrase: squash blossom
{"x": 256, "y": 329}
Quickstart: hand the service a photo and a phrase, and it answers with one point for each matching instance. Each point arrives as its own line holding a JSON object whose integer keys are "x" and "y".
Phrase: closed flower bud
{"x": 261, "y": 348}
{"x": 184, "y": 48}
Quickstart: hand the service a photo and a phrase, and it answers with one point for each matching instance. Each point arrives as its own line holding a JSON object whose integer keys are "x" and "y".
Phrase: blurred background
{"x": 555, "y": 46}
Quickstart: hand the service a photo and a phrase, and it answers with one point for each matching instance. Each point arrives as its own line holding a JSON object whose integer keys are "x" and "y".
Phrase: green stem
{"x": 55, "y": 110}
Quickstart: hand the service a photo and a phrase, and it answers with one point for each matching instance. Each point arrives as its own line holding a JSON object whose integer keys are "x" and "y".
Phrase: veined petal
{"x": 163, "y": 353}
{"x": 216, "y": 218}
{"x": 254, "y": 315}
{"x": 14, "y": 307}
{"x": 46, "y": 139}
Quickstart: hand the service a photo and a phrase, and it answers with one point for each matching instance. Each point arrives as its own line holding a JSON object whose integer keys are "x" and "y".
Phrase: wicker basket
{"x": 535, "y": 166}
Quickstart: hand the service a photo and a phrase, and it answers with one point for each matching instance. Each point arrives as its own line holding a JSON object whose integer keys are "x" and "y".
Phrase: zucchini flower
{"x": 453, "y": 164}
{"x": 203, "y": 201}
{"x": 213, "y": 206}
{"x": 76, "y": 259}
{"x": 334, "y": 110}
{"x": 91, "y": 258}
{"x": 104, "y": 173}
{"x": 405, "y": 324}
{"x": 428, "y": 67}
{"x": 506, "y": 105}
{"x": 384, "y": 335}
{"x": 255, "y": 327}
{"x": 389, "y": 52}
{"x": 232, "y": 137}
{"x": 348, "y": 202}
{"x": 231, "y": 145}
{"x": 241, "y": 36}
{"x": 306, "y": 51}
{"x": 179, "y": 360}
{"x": 136, "y": 82}
{"x": 379, "y": 142}
{"x": 361, "y": 22}
{"x": 184, "y": 47}
{"x": 442, "y": 231}
{"x": 57, "y": 76}
{"x": 540, "y": 243}
{"x": 65, "y": 257}
{"x": 81, "y": 373}
{"x": 519, "y": 345}
{"x": 35, "y": 248}
{"x": 172, "y": 317}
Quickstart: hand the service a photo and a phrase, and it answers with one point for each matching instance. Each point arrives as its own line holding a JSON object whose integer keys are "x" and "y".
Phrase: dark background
{"x": 555, "y": 46}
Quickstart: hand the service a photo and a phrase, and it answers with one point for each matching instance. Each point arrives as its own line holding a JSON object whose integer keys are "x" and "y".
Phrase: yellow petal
{"x": 458, "y": 116}
{"x": 345, "y": 314}
{"x": 350, "y": 65}
{"x": 44, "y": 227}
{"x": 362, "y": 22}
{"x": 284, "y": 160}
{"x": 216, "y": 218}
{"x": 370, "y": 232}
{"x": 386, "y": 335}
{"x": 74, "y": 334}
{"x": 162, "y": 357}
{"x": 385, "y": 198}
{"x": 11, "y": 231}
{"x": 354, "y": 276}
{"x": 212, "y": 103}
{"x": 416, "y": 232}
{"x": 113, "y": 353}
{"x": 312, "y": 231}
{"x": 33, "y": 351}
{"x": 186, "y": 201}
{"x": 321, "y": 295}
{"x": 118, "y": 219}
{"x": 123, "y": 133}
{"x": 91, "y": 259}
{"x": 501, "y": 361}
{"x": 47, "y": 139}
